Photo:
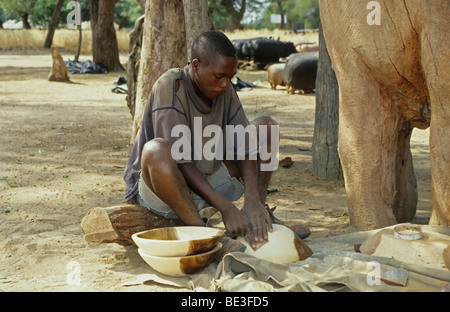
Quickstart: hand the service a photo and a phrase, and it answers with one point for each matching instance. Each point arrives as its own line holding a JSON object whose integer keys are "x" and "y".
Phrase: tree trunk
{"x": 104, "y": 41}
{"x": 196, "y": 19}
{"x": 171, "y": 52}
{"x": 326, "y": 162}
{"x": 141, "y": 4}
{"x": 282, "y": 13}
{"x": 53, "y": 23}
{"x": 133, "y": 62}
{"x": 163, "y": 47}
{"x": 25, "y": 23}
{"x": 80, "y": 40}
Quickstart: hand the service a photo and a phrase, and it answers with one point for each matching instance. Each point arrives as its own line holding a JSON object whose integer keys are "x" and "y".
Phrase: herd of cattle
{"x": 291, "y": 65}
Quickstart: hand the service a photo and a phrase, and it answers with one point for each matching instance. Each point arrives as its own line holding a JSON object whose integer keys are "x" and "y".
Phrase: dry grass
{"x": 68, "y": 39}
{"x": 65, "y": 38}
{"x": 282, "y": 35}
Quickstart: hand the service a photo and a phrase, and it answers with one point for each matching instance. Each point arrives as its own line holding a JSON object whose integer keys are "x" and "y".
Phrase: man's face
{"x": 213, "y": 78}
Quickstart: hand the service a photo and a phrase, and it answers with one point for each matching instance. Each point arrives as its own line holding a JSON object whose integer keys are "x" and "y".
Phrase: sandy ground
{"x": 63, "y": 151}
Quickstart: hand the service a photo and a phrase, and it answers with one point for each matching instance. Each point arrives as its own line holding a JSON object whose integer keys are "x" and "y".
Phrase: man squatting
{"x": 178, "y": 189}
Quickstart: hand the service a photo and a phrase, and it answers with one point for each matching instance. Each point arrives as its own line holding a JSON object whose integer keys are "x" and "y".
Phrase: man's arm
{"x": 253, "y": 207}
{"x": 236, "y": 223}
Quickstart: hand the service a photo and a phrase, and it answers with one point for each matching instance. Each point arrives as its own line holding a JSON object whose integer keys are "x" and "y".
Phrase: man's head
{"x": 211, "y": 44}
{"x": 214, "y": 63}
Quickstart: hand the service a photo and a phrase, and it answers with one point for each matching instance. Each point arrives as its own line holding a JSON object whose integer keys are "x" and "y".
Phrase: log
{"x": 117, "y": 224}
{"x": 59, "y": 70}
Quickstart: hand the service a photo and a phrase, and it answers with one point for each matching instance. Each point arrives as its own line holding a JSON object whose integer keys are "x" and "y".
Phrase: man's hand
{"x": 261, "y": 223}
{"x": 260, "y": 220}
{"x": 236, "y": 223}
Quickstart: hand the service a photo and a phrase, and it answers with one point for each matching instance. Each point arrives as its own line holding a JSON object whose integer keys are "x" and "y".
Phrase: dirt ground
{"x": 63, "y": 150}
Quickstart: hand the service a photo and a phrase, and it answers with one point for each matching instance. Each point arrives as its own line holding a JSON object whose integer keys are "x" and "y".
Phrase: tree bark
{"x": 24, "y": 17}
{"x": 197, "y": 21}
{"x": 282, "y": 13}
{"x": 326, "y": 162}
{"x": 151, "y": 58}
{"x": 104, "y": 41}
{"x": 236, "y": 16}
{"x": 133, "y": 63}
{"x": 141, "y": 4}
{"x": 80, "y": 39}
{"x": 163, "y": 47}
{"x": 53, "y": 23}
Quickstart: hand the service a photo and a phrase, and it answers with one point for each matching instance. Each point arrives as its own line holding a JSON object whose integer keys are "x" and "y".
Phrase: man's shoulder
{"x": 165, "y": 82}
{"x": 171, "y": 74}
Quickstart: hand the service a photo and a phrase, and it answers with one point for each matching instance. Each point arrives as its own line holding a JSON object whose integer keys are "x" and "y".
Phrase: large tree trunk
{"x": 104, "y": 41}
{"x": 390, "y": 75}
{"x": 163, "y": 47}
{"x": 53, "y": 23}
{"x": 326, "y": 162}
{"x": 196, "y": 20}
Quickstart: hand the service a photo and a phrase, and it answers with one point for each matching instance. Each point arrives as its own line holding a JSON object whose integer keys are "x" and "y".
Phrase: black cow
{"x": 238, "y": 45}
{"x": 263, "y": 51}
{"x": 300, "y": 71}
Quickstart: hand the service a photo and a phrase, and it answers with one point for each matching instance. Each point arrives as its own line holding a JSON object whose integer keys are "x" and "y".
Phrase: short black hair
{"x": 210, "y": 44}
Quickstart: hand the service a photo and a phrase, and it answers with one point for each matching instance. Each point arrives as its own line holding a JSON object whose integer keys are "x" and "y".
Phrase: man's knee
{"x": 264, "y": 121}
{"x": 270, "y": 129}
{"x": 156, "y": 151}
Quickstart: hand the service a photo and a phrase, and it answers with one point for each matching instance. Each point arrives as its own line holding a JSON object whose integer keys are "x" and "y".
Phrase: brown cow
{"x": 275, "y": 75}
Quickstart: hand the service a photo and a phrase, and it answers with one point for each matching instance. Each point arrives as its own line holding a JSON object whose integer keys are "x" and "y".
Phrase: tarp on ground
{"x": 87, "y": 67}
{"x": 334, "y": 266}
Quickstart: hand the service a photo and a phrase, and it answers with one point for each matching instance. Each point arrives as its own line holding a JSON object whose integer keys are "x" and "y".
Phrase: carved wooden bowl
{"x": 178, "y": 241}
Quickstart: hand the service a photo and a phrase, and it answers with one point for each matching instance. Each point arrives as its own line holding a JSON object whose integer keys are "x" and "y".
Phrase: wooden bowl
{"x": 178, "y": 241}
{"x": 181, "y": 266}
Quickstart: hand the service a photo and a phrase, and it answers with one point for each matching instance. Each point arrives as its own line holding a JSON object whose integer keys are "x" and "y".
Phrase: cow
{"x": 263, "y": 51}
{"x": 275, "y": 75}
{"x": 238, "y": 44}
{"x": 300, "y": 72}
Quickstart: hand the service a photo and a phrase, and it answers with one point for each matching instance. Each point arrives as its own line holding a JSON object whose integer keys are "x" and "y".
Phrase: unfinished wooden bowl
{"x": 181, "y": 266}
{"x": 178, "y": 241}
{"x": 284, "y": 246}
